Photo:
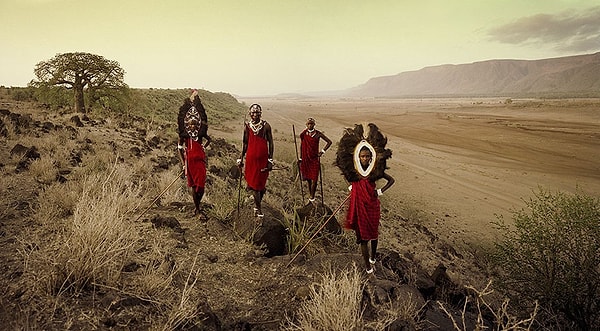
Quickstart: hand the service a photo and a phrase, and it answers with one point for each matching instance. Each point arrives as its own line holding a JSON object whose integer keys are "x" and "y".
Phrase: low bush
{"x": 552, "y": 255}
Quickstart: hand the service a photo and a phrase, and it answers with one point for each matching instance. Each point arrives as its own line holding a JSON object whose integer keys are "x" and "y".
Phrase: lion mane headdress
{"x": 352, "y": 141}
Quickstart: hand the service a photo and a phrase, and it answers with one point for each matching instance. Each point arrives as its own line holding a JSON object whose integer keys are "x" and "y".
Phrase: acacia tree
{"x": 81, "y": 72}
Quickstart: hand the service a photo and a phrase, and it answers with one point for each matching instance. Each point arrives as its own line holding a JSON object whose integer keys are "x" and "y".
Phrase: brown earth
{"x": 456, "y": 164}
{"x": 460, "y": 162}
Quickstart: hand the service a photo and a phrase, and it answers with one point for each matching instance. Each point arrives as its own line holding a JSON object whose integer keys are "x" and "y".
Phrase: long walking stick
{"x": 297, "y": 159}
{"x": 318, "y": 230}
{"x": 321, "y": 176}
{"x": 240, "y": 180}
{"x": 239, "y": 194}
{"x": 158, "y": 196}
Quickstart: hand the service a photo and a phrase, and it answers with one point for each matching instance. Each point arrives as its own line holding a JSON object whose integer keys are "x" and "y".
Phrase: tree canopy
{"x": 81, "y": 72}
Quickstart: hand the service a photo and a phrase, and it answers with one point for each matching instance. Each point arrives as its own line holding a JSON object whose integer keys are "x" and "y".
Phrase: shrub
{"x": 502, "y": 319}
{"x": 552, "y": 255}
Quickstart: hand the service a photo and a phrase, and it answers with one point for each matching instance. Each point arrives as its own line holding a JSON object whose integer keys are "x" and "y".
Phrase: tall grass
{"x": 101, "y": 238}
{"x": 335, "y": 303}
{"x": 170, "y": 184}
{"x": 56, "y": 202}
{"x": 222, "y": 194}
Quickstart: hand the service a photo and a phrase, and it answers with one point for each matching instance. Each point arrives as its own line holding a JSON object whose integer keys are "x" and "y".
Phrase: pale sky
{"x": 266, "y": 47}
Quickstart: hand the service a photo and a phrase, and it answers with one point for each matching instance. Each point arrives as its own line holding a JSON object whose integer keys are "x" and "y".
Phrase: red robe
{"x": 195, "y": 159}
{"x": 310, "y": 165}
{"x": 364, "y": 210}
{"x": 257, "y": 158}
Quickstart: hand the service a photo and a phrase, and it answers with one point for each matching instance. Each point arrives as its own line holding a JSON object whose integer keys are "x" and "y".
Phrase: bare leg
{"x": 373, "y": 249}
{"x": 197, "y": 194}
{"x": 312, "y": 186}
{"x": 257, "y": 201}
{"x": 364, "y": 249}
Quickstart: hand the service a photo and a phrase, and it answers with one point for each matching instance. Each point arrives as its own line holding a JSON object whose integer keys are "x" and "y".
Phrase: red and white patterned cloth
{"x": 364, "y": 210}
{"x": 310, "y": 165}
{"x": 195, "y": 158}
{"x": 257, "y": 158}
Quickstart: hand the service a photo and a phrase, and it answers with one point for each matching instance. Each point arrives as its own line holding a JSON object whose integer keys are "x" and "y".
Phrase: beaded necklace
{"x": 256, "y": 127}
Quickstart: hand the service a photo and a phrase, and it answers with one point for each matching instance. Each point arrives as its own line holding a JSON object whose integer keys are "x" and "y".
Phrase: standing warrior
{"x": 193, "y": 128}
{"x": 310, "y": 163}
{"x": 258, "y": 149}
{"x": 363, "y": 161}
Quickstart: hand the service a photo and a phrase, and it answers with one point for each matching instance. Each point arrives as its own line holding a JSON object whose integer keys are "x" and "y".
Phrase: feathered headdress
{"x": 349, "y": 148}
{"x": 192, "y": 112}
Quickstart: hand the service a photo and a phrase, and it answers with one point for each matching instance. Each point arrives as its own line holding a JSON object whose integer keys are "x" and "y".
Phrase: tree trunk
{"x": 78, "y": 90}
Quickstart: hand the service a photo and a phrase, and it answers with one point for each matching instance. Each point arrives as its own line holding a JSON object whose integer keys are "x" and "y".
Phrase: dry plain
{"x": 458, "y": 163}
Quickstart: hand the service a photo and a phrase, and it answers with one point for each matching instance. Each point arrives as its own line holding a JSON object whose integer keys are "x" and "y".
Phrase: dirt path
{"x": 459, "y": 163}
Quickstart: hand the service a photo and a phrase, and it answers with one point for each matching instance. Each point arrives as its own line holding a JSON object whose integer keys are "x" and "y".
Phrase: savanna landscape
{"x": 98, "y": 233}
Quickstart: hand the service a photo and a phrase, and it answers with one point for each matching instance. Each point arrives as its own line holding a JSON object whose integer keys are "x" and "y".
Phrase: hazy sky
{"x": 260, "y": 47}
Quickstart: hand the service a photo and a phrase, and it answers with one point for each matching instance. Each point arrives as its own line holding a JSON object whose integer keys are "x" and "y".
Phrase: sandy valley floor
{"x": 460, "y": 162}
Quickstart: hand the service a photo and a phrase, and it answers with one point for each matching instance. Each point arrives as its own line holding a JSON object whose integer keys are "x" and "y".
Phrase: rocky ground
{"x": 236, "y": 269}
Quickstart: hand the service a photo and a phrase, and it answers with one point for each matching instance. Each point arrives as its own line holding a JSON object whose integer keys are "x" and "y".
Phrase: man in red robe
{"x": 258, "y": 150}
{"x": 364, "y": 210}
{"x": 310, "y": 163}
{"x": 193, "y": 129}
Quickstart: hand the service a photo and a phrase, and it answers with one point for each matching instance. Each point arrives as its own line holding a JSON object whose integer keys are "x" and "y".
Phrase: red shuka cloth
{"x": 309, "y": 146}
{"x": 364, "y": 210}
{"x": 257, "y": 157}
{"x": 195, "y": 169}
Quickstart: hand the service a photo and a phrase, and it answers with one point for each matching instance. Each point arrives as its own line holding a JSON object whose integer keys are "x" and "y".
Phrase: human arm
{"x": 301, "y": 135}
{"x": 327, "y": 145}
{"x": 389, "y": 182}
{"x": 181, "y": 151}
{"x": 269, "y": 137}
{"x": 208, "y": 140}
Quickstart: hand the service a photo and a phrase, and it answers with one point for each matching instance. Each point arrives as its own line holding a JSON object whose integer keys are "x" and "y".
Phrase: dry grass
{"x": 156, "y": 277}
{"x": 100, "y": 237}
{"x": 56, "y": 202}
{"x": 169, "y": 183}
{"x": 334, "y": 305}
{"x": 504, "y": 320}
{"x": 8, "y": 185}
{"x": 186, "y": 308}
{"x": 223, "y": 196}
{"x": 43, "y": 170}
{"x": 405, "y": 309}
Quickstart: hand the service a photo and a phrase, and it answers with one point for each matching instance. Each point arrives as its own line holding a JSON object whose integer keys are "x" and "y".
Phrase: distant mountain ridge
{"x": 577, "y": 75}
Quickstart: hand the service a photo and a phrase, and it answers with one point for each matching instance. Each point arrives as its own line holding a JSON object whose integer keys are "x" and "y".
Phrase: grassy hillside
{"x": 161, "y": 104}
{"x": 97, "y": 232}
{"x": 157, "y": 105}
